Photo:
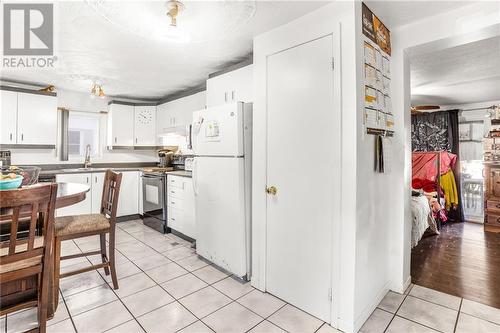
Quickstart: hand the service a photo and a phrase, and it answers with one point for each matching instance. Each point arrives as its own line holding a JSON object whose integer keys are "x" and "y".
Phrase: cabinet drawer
{"x": 176, "y": 192}
{"x": 493, "y": 220}
{"x": 175, "y": 181}
{"x": 175, "y": 203}
{"x": 493, "y": 205}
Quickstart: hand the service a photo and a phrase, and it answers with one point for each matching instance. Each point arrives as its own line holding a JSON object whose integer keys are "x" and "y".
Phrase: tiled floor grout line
{"x": 267, "y": 318}
{"x": 458, "y": 315}
{"x": 400, "y": 305}
{"x": 67, "y": 310}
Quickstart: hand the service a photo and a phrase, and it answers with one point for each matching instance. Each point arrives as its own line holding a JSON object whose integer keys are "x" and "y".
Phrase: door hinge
{"x": 330, "y": 296}
{"x": 333, "y": 63}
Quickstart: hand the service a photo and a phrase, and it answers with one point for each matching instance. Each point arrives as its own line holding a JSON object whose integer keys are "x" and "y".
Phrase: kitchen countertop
{"x": 182, "y": 173}
{"x": 54, "y": 172}
{"x": 87, "y": 170}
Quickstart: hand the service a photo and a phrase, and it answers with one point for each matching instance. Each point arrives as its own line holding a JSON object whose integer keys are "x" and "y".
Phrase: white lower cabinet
{"x": 128, "y": 200}
{"x": 83, "y": 207}
{"x": 180, "y": 202}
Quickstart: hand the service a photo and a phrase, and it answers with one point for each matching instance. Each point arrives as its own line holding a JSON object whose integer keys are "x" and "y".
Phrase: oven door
{"x": 153, "y": 196}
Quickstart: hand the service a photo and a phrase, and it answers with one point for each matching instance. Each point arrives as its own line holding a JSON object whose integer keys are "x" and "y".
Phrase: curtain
{"x": 438, "y": 131}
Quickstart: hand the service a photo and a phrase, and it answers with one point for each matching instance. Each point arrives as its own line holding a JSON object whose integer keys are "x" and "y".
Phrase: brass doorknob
{"x": 271, "y": 190}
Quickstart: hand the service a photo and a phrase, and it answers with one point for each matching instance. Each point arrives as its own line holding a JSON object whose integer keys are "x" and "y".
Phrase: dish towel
{"x": 379, "y": 154}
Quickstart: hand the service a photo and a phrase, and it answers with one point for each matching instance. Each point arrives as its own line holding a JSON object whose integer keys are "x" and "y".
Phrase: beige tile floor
{"x": 165, "y": 287}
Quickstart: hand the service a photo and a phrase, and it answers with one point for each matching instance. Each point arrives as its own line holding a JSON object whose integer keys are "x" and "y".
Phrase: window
{"x": 83, "y": 130}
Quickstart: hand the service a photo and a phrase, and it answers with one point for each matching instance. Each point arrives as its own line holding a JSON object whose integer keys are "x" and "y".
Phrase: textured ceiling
{"x": 398, "y": 13}
{"x": 464, "y": 74}
{"x": 131, "y": 62}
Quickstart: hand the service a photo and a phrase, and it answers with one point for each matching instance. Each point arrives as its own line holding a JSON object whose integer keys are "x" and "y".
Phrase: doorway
{"x": 455, "y": 91}
{"x": 300, "y": 117}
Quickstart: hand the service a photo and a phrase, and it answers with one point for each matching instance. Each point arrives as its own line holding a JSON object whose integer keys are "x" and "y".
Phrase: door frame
{"x": 259, "y": 196}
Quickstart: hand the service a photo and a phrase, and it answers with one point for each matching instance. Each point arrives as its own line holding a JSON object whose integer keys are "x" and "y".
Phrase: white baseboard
{"x": 365, "y": 314}
{"x": 407, "y": 284}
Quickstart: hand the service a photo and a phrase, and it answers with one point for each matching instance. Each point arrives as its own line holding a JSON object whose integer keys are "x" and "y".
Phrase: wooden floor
{"x": 463, "y": 261}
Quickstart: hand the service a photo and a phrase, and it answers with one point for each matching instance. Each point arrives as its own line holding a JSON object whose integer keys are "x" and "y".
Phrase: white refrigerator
{"x": 222, "y": 145}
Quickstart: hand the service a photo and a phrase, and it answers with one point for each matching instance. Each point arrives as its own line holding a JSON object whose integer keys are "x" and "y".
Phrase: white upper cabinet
{"x": 145, "y": 125}
{"x": 28, "y": 119}
{"x": 8, "y": 116}
{"x": 36, "y": 119}
{"x": 178, "y": 114}
{"x": 120, "y": 125}
{"x": 234, "y": 86}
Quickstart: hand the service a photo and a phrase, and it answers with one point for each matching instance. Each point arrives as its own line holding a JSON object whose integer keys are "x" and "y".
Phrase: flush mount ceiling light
{"x": 97, "y": 91}
{"x": 174, "y": 7}
{"x": 201, "y": 21}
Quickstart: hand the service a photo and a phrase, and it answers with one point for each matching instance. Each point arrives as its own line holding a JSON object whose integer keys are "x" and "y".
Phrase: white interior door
{"x": 300, "y": 215}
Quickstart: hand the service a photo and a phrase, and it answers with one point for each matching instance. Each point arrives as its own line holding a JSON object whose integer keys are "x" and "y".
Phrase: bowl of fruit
{"x": 29, "y": 174}
{"x": 10, "y": 181}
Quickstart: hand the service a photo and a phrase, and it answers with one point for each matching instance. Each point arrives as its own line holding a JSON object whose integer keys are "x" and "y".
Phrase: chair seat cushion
{"x": 20, "y": 264}
{"x": 70, "y": 225}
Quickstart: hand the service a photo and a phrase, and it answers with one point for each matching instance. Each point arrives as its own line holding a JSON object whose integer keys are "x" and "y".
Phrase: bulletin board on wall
{"x": 378, "y": 116}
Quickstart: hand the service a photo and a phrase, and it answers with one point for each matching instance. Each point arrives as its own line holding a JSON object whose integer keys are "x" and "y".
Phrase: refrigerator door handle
{"x": 190, "y": 137}
{"x": 195, "y": 180}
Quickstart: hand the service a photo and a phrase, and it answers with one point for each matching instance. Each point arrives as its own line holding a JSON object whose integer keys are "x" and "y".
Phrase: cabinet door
{"x": 121, "y": 125}
{"x": 8, "y": 116}
{"x": 128, "y": 200}
{"x": 145, "y": 125}
{"x": 84, "y": 207}
{"x": 97, "y": 188}
{"x": 217, "y": 90}
{"x": 163, "y": 118}
{"x": 36, "y": 119}
{"x": 242, "y": 84}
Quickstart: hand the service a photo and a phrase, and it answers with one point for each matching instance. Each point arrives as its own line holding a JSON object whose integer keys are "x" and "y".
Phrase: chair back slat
{"x": 23, "y": 207}
{"x": 34, "y": 217}
{"x": 13, "y": 231}
{"x": 111, "y": 190}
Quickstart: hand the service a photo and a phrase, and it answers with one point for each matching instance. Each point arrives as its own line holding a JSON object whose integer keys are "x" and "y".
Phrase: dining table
{"x": 67, "y": 194}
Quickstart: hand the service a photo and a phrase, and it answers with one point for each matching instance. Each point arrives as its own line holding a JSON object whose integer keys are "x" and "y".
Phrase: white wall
{"x": 465, "y": 24}
{"x": 374, "y": 202}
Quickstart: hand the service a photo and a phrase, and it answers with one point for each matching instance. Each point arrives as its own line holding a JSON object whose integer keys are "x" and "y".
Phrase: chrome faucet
{"x": 87, "y": 163}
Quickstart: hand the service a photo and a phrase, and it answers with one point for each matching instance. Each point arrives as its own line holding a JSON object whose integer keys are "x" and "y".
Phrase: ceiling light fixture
{"x": 174, "y": 7}
{"x": 97, "y": 91}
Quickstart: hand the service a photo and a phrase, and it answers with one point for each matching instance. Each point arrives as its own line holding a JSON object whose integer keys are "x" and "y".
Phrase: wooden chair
{"x": 78, "y": 226}
{"x": 25, "y": 265}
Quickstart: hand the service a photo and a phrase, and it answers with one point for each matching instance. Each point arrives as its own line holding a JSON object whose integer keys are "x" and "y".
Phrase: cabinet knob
{"x": 10, "y": 136}
{"x": 22, "y": 137}
{"x": 115, "y": 139}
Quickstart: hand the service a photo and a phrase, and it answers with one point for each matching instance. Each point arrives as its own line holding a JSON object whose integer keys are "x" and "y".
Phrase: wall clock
{"x": 145, "y": 117}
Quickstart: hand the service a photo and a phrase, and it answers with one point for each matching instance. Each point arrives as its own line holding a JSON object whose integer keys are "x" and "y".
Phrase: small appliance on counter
{"x": 179, "y": 161}
{"x": 165, "y": 156}
{"x": 4, "y": 158}
{"x": 188, "y": 163}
